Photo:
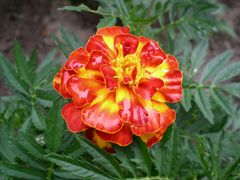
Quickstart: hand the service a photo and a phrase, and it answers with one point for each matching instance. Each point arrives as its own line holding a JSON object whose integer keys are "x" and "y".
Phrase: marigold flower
{"x": 119, "y": 85}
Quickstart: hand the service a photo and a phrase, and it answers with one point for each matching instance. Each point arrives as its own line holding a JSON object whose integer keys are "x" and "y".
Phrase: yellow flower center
{"x": 127, "y": 68}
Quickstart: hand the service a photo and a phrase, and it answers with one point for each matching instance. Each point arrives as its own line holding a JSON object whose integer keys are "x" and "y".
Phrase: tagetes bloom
{"x": 119, "y": 85}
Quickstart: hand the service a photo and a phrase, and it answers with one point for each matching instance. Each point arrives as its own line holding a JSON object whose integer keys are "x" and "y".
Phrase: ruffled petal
{"x": 108, "y": 34}
{"x": 131, "y": 110}
{"x": 129, "y": 43}
{"x": 109, "y": 77}
{"x": 152, "y": 55}
{"x": 72, "y": 115}
{"x": 170, "y": 63}
{"x": 76, "y": 60}
{"x": 148, "y": 87}
{"x": 65, "y": 75}
{"x": 160, "y": 116}
{"x": 57, "y": 81}
{"x": 102, "y": 114}
{"x": 172, "y": 89}
{"x": 83, "y": 91}
{"x": 96, "y": 60}
{"x": 96, "y": 43}
{"x": 95, "y": 138}
{"x": 122, "y": 137}
{"x": 151, "y": 139}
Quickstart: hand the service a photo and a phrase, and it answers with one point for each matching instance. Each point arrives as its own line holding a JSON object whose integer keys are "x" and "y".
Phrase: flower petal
{"x": 109, "y": 77}
{"x": 95, "y": 138}
{"x": 148, "y": 87}
{"x": 57, "y": 81}
{"x": 170, "y": 63}
{"x": 83, "y": 91}
{"x": 151, "y": 139}
{"x": 108, "y": 34}
{"x": 122, "y": 137}
{"x": 96, "y": 60}
{"x": 129, "y": 43}
{"x": 152, "y": 54}
{"x": 72, "y": 115}
{"x": 131, "y": 111}
{"x": 77, "y": 59}
{"x": 64, "y": 78}
{"x": 102, "y": 114}
{"x": 160, "y": 116}
{"x": 96, "y": 43}
{"x": 172, "y": 89}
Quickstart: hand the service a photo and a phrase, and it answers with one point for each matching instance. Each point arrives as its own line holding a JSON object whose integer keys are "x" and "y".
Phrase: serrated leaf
{"x": 215, "y": 65}
{"x": 79, "y": 8}
{"x": 31, "y": 145}
{"x": 38, "y": 118}
{"x": 32, "y": 64}
{"x": 198, "y": 55}
{"x": 124, "y": 155}
{"x": 21, "y": 63}
{"x": 141, "y": 156}
{"x": 23, "y": 154}
{"x": 10, "y": 74}
{"x": 67, "y": 39}
{"x": 202, "y": 100}
{"x": 232, "y": 88}
{"x": 228, "y": 72}
{"x": 46, "y": 62}
{"x": 6, "y": 146}
{"x": 222, "y": 100}
{"x": 107, "y": 21}
{"x": 100, "y": 156}
{"x": 66, "y": 175}
{"x": 186, "y": 101}
{"x": 60, "y": 45}
{"x": 55, "y": 125}
{"x": 21, "y": 171}
{"x": 77, "y": 167}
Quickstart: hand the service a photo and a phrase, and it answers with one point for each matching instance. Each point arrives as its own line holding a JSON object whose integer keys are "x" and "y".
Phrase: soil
{"x": 31, "y": 22}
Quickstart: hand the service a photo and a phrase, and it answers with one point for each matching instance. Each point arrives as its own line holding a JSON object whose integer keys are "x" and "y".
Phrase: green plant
{"x": 204, "y": 141}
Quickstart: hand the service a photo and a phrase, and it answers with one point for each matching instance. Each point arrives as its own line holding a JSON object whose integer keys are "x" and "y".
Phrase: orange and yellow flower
{"x": 119, "y": 85}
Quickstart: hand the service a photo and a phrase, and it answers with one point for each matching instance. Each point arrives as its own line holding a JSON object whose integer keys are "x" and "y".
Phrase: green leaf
{"x": 215, "y": 65}
{"x": 55, "y": 125}
{"x": 79, "y": 8}
{"x": 31, "y": 145}
{"x": 107, "y": 21}
{"x": 21, "y": 63}
{"x": 32, "y": 64}
{"x": 202, "y": 100}
{"x": 21, "y": 171}
{"x": 186, "y": 101}
{"x": 173, "y": 150}
{"x": 47, "y": 61}
{"x": 38, "y": 118}
{"x": 141, "y": 156}
{"x": 67, "y": 38}
{"x": 232, "y": 88}
{"x": 228, "y": 72}
{"x": 198, "y": 56}
{"x": 78, "y": 167}
{"x": 222, "y": 100}
{"x": 60, "y": 45}
{"x": 6, "y": 146}
{"x": 124, "y": 155}
{"x": 103, "y": 158}
{"x": 230, "y": 168}
{"x": 10, "y": 74}
{"x": 23, "y": 154}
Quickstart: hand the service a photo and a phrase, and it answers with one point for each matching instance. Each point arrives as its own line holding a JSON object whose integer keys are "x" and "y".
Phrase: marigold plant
{"x": 119, "y": 85}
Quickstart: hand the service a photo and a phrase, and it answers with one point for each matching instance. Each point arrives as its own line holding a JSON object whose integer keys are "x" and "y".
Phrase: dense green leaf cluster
{"x": 202, "y": 144}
